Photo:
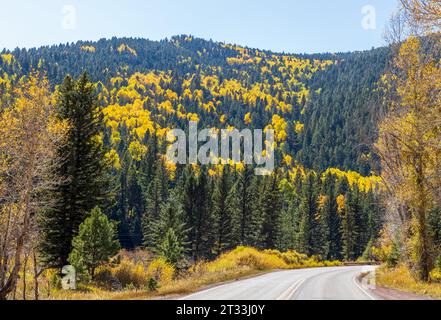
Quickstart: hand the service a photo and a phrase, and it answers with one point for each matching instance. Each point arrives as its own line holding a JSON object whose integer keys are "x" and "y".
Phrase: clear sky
{"x": 294, "y": 26}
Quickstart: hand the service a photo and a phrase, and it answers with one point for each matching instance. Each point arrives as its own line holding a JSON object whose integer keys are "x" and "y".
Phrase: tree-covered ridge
{"x": 157, "y": 101}
{"x": 322, "y": 106}
{"x": 341, "y": 121}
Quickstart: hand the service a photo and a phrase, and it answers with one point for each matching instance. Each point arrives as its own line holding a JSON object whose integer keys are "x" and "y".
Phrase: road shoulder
{"x": 389, "y": 294}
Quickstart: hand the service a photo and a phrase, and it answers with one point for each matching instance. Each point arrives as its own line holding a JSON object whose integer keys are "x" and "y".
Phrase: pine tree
{"x": 349, "y": 226}
{"x": 135, "y": 208}
{"x": 307, "y": 215}
{"x": 246, "y": 212}
{"x": 157, "y": 191}
{"x": 223, "y": 213}
{"x": 287, "y": 237}
{"x": 271, "y": 206}
{"x": 196, "y": 207}
{"x": 330, "y": 220}
{"x": 84, "y": 170}
{"x": 168, "y": 235}
{"x": 94, "y": 244}
{"x": 171, "y": 248}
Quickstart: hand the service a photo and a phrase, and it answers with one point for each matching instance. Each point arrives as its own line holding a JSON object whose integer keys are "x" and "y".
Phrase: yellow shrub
{"x": 161, "y": 271}
{"x": 247, "y": 257}
{"x": 129, "y": 273}
{"x": 435, "y": 275}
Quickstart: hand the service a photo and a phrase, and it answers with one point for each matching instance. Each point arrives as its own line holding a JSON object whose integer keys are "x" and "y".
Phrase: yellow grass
{"x": 400, "y": 278}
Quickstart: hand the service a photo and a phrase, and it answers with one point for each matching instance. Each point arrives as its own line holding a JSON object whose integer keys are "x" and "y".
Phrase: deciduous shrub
{"x": 129, "y": 273}
{"x": 161, "y": 271}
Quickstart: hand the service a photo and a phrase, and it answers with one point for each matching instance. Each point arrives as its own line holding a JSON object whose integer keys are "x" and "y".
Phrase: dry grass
{"x": 239, "y": 263}
{"x": 400, "y": 278}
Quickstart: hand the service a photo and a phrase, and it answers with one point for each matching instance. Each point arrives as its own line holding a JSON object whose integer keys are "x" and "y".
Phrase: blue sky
{"x": 294, "y": 26}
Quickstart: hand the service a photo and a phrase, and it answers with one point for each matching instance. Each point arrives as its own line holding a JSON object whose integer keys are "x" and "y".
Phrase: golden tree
{"x": 28, "y": 132}
{"x": 410, "y": 144}
{"x": 424, "y": 13}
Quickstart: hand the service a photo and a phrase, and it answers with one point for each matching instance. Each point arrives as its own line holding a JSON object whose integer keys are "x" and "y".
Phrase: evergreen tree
{"x": 168, "y": 235}
{"x": 135, "y": 208}
{"x": 171, "y": 248}
{"x": 196, "y": 201}
{"x": 287, "y": 234}
{"x": 349, "y": 226}
{"x": 94, "y": 244}
{"x": 246, "y": 212}
{"x": 271, "y": 207}
{"x": 330, "y": 220}
{"x": 83, "y": 173}
{"x": 223, "y": 213}
{"x": 157, "y": 191}
{"x": 307, "y": 215}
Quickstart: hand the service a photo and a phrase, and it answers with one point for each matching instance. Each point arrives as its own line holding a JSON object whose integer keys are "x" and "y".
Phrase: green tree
{"x": 197, "y": 205}
{"x": 307, "y": 215}
{"x": 95, "y": 243}
{"x": 271, "y": 207}
{"x": 349, "y": 228}
{"x": 246, "y": 212}
{"x": 171, "y": 248}
{"x": 331, "y": 220}
{"x": 167, "y": 235}
{"x": 223, "y": 213}
{"x": 84, "y": 171}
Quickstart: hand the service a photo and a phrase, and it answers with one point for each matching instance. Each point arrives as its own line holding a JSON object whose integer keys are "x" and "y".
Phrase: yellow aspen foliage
{"x": 321, "y": 202}
{"x": 365, "y": 184}
{"x": 299, "y": 127}
{"x": 167, "y": 107}
{"x": 137, "y": 150}
{"x": 125, "y": 48}
{"x": 287, "y": 160}
{"x": 90, "y": 49}
{"x": 247, "y": 118}
{"x": 210, "y": 82}
{"x": 171, "y": 95}
{"x": 341, "y": 201}
{"x": 279, "y": 125}
{"x": 187, "y": 94}
{"x": 8, "y": 58}
{"x": 114, "y": 159}
{"x": 193, "y": 117}
{"x": 115, "y": 137}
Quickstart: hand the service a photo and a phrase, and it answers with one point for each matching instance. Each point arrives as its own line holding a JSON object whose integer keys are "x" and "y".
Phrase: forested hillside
{"x": 323, "y": 199}
{"x": 333, "y": 94}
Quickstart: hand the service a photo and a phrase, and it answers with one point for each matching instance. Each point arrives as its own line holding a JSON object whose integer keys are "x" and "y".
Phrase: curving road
{"x": 334, "y": 283}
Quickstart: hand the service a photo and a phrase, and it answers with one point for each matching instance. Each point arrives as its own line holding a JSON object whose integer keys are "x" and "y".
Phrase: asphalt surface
{"x": 333, "y": 283}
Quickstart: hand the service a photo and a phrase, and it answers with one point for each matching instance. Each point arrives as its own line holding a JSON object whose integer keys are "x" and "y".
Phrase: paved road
{"x": 334, "y": 283}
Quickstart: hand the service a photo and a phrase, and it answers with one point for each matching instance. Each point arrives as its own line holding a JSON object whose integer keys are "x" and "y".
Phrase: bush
{"x": 161, "y": 271}
{"x": 129, "y": 273}
{"x": 435, "y": 275}
{"x": 153, "y": 285}
{"x": 252, "y": 258}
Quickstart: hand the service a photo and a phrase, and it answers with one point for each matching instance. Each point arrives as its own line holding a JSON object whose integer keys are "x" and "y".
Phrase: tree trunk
{"x": 25, "y": 264}
{"x": 36, "y": 275}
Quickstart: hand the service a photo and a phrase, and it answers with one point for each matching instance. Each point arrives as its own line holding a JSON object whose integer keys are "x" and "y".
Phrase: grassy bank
{"x": 135, "y": 275}
{"x": 400, "y": 278}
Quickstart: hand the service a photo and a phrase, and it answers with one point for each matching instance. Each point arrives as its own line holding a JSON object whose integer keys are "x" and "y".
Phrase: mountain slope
{"x": 322, "y": 106}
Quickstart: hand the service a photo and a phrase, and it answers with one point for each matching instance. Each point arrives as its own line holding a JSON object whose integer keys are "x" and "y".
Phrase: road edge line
{"x": 363, "y": 289}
